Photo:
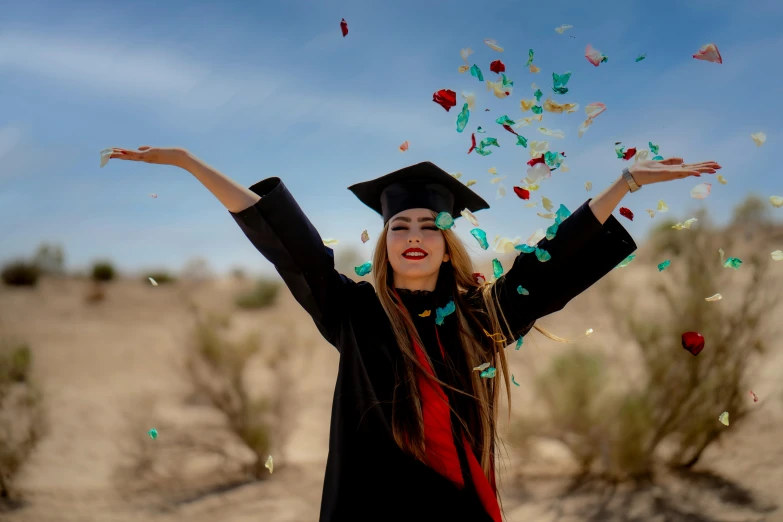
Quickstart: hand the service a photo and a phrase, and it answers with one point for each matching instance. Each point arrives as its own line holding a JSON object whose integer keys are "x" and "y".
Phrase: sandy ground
{"x": 111, "y": 371}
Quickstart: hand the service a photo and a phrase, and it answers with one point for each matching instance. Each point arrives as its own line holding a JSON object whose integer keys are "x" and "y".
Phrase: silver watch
{"x": 628, "y": 177}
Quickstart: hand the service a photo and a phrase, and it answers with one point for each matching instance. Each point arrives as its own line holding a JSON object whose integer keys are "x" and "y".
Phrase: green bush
{"x": 262, "y": 296}
{"x": 21, "y": 273}
{"x": 103, "y": 271}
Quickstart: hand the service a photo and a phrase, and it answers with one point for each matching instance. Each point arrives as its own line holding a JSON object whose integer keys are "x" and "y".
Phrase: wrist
{"x": 637, "y": 176}
{"x": 631, "y": 179}
{"x": 183, "y": 159}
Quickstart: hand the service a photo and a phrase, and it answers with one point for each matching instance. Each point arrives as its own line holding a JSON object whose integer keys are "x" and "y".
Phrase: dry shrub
{"x": 103, "y": 271}
{"x": 671, "y": 414}
{"x": 263, "y": 295}
{"x": 20, "y": 273}
{"x": 21, "y": 413}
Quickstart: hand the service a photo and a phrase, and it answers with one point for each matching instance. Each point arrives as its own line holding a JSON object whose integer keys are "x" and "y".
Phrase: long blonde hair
{"x": 481, "y": 340}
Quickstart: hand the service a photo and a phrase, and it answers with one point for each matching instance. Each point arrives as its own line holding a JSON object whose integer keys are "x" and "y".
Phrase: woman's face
{"x": 416, "y": 249}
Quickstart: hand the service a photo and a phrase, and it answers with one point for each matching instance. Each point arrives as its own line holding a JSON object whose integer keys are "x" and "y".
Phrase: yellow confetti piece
{"x": 270, "y": 464}
{"x": 641, "y": 155}
{"x": 524, "y": 122}
{"x": 547, "y": 203}
{"x": 498, "y": 89}
{"x": 482, "y": 367}
{"x": 724, "y": 418}
{"x": 493, "y": 170}
{"x": 425, "y": 313}
{"x": 534, "y": 69}
{"x": 533, "y": 187}
{"x": 777, "y": 255}
{"x": 563, "y": 28}
{"x": 492, "y": 44}
{"x": 537, "y": 148}
{"x": 526, "y": 105}
{"x": 776, "y": 201}
{"x": 501, "y": 192}
{"x": 470, "y": 99}
{"x": 662, "y": 206}
{"x": 716, "y": 297}
{"x": 537, "y": 236}
{"x": 365, "y": 236}
{"x": 463, "y": 68}
{"x": 685, "y": 224}
{"x": 588, "y": 186}
{"x": 531, "y": 204}
{"x": 330, "y": 241}
{"x": 154, "y": 283}
{"x": 467, "y": 214}
{"x": 560, "y": 108}
{"x": 465, "y": 53}
{"x": 470, "y": 183}
{"x": 505, "y": 245}
{"x": 759, "y": 138}
{"x": 546, "y": 216}
{"x": 497, "y": 180}
{"x": 457, "y": 175}
{"x": 498, "y": 337}
{"x": 651, "y": 212}
{"x": 553, "y": 133}
{"x": 588, "y": 332}
{"x": 721, "y": 179}
{"x": 564, "y": 167}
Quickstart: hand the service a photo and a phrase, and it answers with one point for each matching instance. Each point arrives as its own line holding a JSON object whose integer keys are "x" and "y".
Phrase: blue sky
{"x": 262, "y": 90}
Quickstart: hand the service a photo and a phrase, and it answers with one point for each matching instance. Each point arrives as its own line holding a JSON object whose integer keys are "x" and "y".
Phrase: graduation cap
{"x": 423, "y": 185}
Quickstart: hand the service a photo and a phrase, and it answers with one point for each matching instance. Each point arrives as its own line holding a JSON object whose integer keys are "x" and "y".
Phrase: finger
{"x": 672, "y": 161}
{"x": 144, "y": 147}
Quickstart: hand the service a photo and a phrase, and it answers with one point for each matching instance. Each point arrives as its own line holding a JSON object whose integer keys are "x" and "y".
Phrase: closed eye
{"x": 406, "y": 228}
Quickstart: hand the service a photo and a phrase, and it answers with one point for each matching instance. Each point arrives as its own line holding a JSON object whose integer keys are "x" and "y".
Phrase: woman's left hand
{"x": 652, "y": 171}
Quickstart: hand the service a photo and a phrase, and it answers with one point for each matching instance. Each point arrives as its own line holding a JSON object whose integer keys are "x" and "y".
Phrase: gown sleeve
{"x": 280, "y": 230}
{"x": 583, "y": 251}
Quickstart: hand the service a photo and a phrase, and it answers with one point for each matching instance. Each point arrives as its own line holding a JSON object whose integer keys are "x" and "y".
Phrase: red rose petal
{"x": 625, "y": 212}
{"x": 630, "y": 153}
{"x": 497, "y": 67}
{"x": 472, "y": 142}
{"x": 693, "y": 342}
{"x": 344, "y": 27}
{"x": 479, "y": 278}
{"x": 522, "y": 193}
{"x": 445, "y": 98}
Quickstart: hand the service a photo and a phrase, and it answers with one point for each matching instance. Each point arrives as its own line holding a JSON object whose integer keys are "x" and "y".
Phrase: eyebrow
{"x": 408, "y": 220}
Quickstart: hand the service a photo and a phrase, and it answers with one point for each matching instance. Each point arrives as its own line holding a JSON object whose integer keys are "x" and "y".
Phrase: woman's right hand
{"x": 157, "y": 155}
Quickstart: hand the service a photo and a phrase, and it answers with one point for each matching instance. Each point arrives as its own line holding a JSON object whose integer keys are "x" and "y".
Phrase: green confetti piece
{"x": 497, "y": 268}
{"x": 538, "y": 94}
{"x": 476, "y": 72}
{"x": 733, "y": 262}
{"x": 521, "y": 140}
{"x": 153, "y": 433}
{"x": 529, "y": 58}
{"x": 640, "y": 58}
{"x": 480, "y": 130}
{"x": 543, "y": 255}
{"x": 519, "y": 343}
{"x": 441, "y": 313}
{"x": 444, "y": 221}
{"x": 522, "y": 291}
{"x": 664, "y": 265}
{"x": 462, "y": 118}
{"x": 627, "y": 261}
{"x": 489, "y": 373}
{"x": 481, "y": 237}
{"x": 551, "y": 231}
{"x": 537, "y": 109}
{"x": 505, "y": 120}
{"x": 653, "y": 148}
{"x": 364, "y": 269}
{"x": 514, "y": 380}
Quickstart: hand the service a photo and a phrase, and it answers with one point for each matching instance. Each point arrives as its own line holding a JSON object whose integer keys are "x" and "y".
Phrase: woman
{"x": 413, "y": 432}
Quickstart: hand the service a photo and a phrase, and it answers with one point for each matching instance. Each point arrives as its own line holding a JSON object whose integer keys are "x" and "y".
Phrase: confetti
{"x": 344, "y": 29}
{"x": 627, "y": 261}
{"x": 467, "y": 214}
{"x": 653, "y": 148}
{"x": 626, "y": 212}
{"x": 559, "y": 108}
{"x": 501, "y": 193}
{"x": 685, "y": 224}
{"x": 521, "y": 140}
{"x": 755, "y": 397}
{"x": 154, "y": 283}
{"x": 497, "y": 268}
{"x": 535, "y": 69}
{"x": 425, "y": 313}
{"x": 153, "y": 433}
{"x": 270, "y": 464}
{"x": 777, "y": 255}
{"x": 520, "y": 341}
{"x": 464, "y": 53}
{"x": 709, "y": 53}
{"x": 559, "y": 82}
{"x": 712, "y": 298}
{"x": 563, "y": 28}
{"x": 522, "y": 291}
{"x": 733, "y": 262}
{"x": 479, "y": 278}
{"x": 693, "y": 342}
{"x": 492, "y": 44}
{"x": 462, "y": 118}
{"x": 721, "y": 179}
{"x": 497, "y": 67}
{"x": 445, "y": 98}
{"x": 330, "y": 241}
{"x": 776, "y": 201}
{"x": 546, "y": 216}
{"x": 663, "y": 266}
{"x": 489, "y": 373}
{"x": 106, "y": 156}
{"x": 651, "y": 212}
{"x": 470, "y": 99}
{"x": 470, "y": 183}
{"x": 444, "y": 221}
{"x": 588, "y": 186}
{"x": 154, "y": 196}
{"x": 482, "y": 367}
{"x": 553, "y": 133}
{"x": 640, "y": 58}
{"x": 724, "y": 418}
{"x": 641, "y": 155}
{"x": 364, "y": 269}
{"x": 365, "y": 236}
{"x": 588, "y": 332}
{"x": 463, "y": 68}
{"x": 594, "y": 56}
{"x": 442, "y": 313}
{"x": 404, "y": 146}
{"x": 662, "y": 206}
{"x": 701, "y": 190}
{"x": 538, "y": 171}
{"x": 759, "y": 138}
{"x": 514, "y": 380}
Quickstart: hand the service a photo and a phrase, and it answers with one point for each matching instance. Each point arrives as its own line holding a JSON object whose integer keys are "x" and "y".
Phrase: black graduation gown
{"x": 367, "y": 476}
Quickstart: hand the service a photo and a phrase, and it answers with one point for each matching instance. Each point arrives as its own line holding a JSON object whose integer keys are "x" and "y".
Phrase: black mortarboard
{"x": 423, "y": 185}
